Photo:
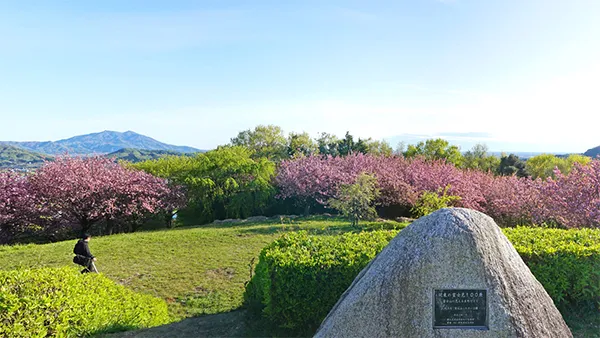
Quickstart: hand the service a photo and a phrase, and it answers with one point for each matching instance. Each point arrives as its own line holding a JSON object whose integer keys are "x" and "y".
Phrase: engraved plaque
{"x": 460, "y": 309}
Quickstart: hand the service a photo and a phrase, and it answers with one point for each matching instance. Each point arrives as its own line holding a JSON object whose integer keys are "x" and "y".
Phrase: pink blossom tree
{"x": 88, "y": 190}
{"x": 17, "y": 205}
{"x": 572, "y": 200}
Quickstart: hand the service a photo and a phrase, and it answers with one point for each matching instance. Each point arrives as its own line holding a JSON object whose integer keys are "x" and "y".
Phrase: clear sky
{"x": 519, "y": 75}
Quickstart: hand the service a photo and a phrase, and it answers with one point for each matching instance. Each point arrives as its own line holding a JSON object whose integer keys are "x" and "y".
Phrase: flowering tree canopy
{"x": 17, "y": 204}
{"x": 87, "y": 190}
{"x": 569, "y": 200}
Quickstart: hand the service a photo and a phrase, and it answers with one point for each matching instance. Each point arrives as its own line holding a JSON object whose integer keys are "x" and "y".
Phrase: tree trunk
{"x": 307, "y": 209}
{"x": 109, "y": 226}
{"x": 85, "y": 225}
{"x": 169, "y": 219}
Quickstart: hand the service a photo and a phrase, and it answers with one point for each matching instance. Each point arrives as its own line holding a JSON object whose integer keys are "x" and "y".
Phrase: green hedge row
{"x": 62, "y": 302}
{"x": 299, "y": 277}
{"x": 566, "y": 262}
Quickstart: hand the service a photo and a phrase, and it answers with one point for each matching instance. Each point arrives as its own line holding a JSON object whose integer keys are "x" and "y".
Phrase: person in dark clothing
{"x": 83, "y": 256}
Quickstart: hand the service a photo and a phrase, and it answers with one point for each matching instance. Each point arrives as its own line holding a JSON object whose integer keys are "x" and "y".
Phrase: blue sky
{"x": 518, "y": 75}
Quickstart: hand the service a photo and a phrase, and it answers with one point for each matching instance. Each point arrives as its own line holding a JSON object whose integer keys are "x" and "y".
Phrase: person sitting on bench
{"x": 83, "y": 256}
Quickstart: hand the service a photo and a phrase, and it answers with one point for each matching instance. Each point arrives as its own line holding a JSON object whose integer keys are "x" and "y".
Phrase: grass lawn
{"x": 197, "y": 270}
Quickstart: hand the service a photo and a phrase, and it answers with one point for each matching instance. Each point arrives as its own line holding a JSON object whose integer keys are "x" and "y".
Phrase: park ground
{"x": 201, "y": 271}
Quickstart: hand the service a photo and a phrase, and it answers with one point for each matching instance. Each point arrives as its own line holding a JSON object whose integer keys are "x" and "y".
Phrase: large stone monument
{"x": 450, "y": 274}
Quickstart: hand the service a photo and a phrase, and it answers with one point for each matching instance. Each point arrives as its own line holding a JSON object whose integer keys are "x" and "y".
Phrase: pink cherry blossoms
{"x": 81, "y": 192}
{"x": 571, "y": 200}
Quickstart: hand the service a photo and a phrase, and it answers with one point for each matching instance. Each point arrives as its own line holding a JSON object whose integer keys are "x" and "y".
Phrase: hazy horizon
{"x": 394, "y": 142}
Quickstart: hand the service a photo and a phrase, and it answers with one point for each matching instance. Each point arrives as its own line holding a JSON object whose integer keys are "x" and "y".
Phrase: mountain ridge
{"x": 12, "y": 157}
{"x": 100, "y": 143}
{"x": 593, "y": 152}
{"x": 139, "y": 155}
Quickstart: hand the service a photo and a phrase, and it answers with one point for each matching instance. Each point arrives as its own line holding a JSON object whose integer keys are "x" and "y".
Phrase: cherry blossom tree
{"x": 572, "y": 200}
{"x": 88, "y": 190}
{"x": 17, "y": 205}
{"x": 403, "y": 181}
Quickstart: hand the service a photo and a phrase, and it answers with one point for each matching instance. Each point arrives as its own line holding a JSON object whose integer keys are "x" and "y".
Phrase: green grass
{"x": 198, "y": 270}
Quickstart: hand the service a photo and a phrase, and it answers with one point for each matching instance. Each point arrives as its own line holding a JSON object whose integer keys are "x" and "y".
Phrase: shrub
{"x": 566, "y": 262}
{"x": 355, "y": 201}
{"x": 432, "y": 201}
{"x": 299, "y": 278}
{"x": 63, "y": 302}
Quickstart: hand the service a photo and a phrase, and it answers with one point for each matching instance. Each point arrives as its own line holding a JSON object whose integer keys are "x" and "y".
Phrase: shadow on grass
{"x": 226, "y": 324}
{"x": 584, "y": 321}
{"x": 241, "y": 323}
{"x": 326, "y": 230}
{"x": 113, "y": 329}
{"x": 274, "y": 220}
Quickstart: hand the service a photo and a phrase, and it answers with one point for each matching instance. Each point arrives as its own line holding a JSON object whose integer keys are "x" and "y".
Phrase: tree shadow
{"x": 117, "y": 328}
{"x": 226, "y": 324}
{"x": 330, "y": 230}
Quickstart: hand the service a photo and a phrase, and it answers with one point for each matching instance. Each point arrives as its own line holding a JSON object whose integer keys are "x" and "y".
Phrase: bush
{"x": 299, "y": 278}
{"x": 63, "y": 302}
{"x": 566, "y": 262}
{"x": 432, "y": 201}
{"x": 355, "y": 201}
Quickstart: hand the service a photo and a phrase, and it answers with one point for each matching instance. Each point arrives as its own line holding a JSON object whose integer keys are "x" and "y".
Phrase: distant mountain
{"x": 593, "y": 153}
{"x": 139, "y": 155}
{"x": 100, "y": 143}
{"x": 12, "y": 157}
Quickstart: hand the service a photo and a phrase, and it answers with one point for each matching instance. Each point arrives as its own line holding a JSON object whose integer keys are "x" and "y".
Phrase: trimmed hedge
{"x": 299, "y": 277}
{"x": 566, "y": 262}
{"x": 62, "y": 302}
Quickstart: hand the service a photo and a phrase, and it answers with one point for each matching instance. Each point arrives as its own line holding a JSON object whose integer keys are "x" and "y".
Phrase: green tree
{"x": 265, "y": 141}
{"x": 400, "y": 148}
{"x": 543, "y": 166}
{"x": 576, "y": 158}
{"x": 301, "y": 144}
{"x": 223, "y": 183}
{"x": 173, "y": 168}
{"x": 435, "y": 149}
{"x": 512, "y": 165}
{"x": 478, "y": 158}
{"x": 355, "y": 201}
{"x": 328, "y": 144}
{"x": 346, "y": 145}
{"x": 381, "y": 148}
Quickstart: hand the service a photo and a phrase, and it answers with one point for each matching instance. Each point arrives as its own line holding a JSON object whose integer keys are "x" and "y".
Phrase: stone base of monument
{"x": 450, "y": 274}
